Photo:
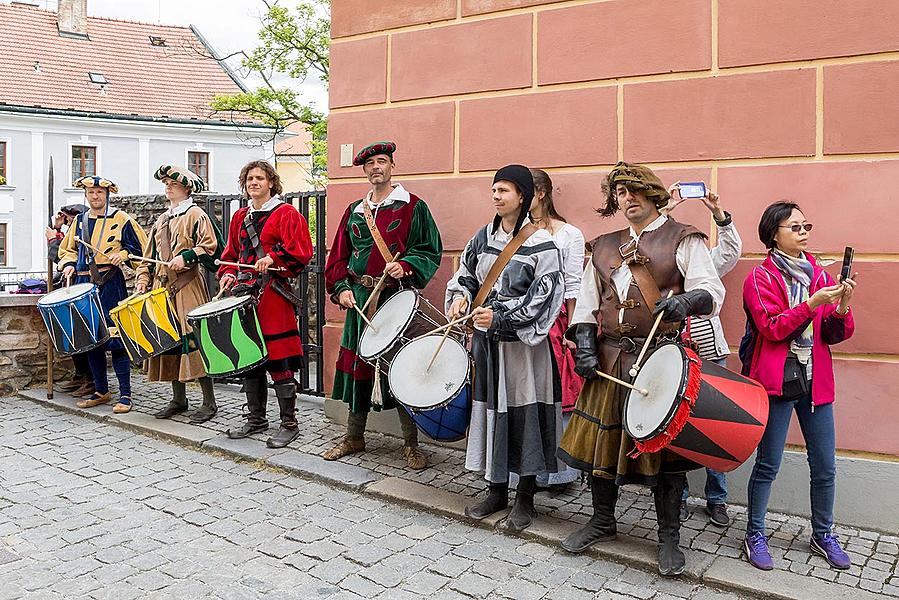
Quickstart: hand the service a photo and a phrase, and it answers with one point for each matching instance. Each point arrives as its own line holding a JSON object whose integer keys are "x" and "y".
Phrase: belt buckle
{"x": 367, "y": 281}
{"x": 627, "y": 345}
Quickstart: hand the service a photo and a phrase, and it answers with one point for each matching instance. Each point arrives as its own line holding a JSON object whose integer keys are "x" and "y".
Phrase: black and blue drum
{"x": 74, "y": 318}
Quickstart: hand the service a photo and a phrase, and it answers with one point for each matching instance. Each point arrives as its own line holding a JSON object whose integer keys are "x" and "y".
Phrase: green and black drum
{"x": 228, "y": 334}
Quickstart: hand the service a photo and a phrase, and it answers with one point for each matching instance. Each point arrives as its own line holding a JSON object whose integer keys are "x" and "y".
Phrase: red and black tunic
{"x": 284, "y": 236}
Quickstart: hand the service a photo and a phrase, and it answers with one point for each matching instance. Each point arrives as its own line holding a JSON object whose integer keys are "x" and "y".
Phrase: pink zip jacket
{"x": 767, "y": 304}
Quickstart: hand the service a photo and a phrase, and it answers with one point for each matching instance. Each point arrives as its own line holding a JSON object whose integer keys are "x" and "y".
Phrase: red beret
{"x": 387, "y": 148}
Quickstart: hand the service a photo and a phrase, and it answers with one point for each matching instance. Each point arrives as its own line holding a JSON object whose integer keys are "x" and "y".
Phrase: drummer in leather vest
{"x": 184, "y": 237}
{"x": 625, "y": 285}
{"x": 108, "y": 237}
{"x": 272, "y": 239}
{"x": 389, "y": 231}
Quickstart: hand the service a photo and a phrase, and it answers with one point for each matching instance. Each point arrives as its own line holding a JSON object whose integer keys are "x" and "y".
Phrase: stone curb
{"x": 718, "y": 571}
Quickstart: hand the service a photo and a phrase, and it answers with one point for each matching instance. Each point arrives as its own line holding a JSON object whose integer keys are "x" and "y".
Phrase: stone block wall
{"x": 23, "y": 346}
{"x": 762, "y": 100}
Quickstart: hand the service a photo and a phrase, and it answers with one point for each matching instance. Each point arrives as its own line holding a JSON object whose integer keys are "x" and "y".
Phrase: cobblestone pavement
{"x": 874, "y": 555}
{"x": 90, "y": 510}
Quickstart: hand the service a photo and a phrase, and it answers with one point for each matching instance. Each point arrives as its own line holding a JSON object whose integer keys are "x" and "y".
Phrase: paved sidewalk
{"x": 93, "y": 511}
{"x": 445, "y": 487}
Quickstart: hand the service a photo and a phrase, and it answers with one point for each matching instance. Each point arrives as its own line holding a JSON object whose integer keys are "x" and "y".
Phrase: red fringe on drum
{"x": 664, "y": 439}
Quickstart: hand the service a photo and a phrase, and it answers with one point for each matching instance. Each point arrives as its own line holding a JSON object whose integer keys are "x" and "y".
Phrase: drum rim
{"x": 374, "y": 357}
{"x": 250, "y": 367}
{"x": 672, "y": 410}
{"x": 466, "y": 380}
{"x": 251, "y": 302}
{"x": 87, "y": 348}
{"x": 91, "y": 287}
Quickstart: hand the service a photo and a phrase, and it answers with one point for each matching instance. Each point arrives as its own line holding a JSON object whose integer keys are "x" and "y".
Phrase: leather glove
{"x": 677, "y": 308}
{"x": 586, "y": 356}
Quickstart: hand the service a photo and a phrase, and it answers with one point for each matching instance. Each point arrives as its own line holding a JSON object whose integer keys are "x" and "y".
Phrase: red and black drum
{"x": 701, "y": 411}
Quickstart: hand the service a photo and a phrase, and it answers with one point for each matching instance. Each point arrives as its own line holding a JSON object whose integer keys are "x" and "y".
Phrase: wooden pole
{"x": 50, "y": 214}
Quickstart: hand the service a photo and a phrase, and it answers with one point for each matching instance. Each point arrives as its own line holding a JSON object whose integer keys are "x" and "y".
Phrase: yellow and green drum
{"x": 228, "y": 335}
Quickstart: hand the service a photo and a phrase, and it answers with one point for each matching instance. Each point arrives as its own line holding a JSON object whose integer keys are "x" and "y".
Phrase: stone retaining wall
{"x": 23, "y": 346}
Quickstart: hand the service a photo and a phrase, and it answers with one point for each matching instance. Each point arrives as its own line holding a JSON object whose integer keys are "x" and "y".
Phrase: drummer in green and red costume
{"x": 354, "y": 265}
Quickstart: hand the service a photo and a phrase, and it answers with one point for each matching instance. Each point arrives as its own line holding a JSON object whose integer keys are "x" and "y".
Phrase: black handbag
{"x": 795, "y": 382}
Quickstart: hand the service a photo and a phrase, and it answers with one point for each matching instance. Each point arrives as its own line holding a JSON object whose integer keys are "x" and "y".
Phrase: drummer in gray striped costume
{"x": 516, "y": 417}
{"x": 708, "y": 335}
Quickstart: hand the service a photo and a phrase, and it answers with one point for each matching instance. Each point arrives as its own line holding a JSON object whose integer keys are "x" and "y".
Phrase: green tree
{"x": 294, "y": 43}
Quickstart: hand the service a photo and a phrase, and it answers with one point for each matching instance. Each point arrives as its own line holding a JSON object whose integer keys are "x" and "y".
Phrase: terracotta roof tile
{"x": 177, "y": 81}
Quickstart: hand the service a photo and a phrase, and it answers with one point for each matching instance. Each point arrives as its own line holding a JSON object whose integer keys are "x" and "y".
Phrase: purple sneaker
{"x": 828, "y": 546}
{"x": 756, "y": 548}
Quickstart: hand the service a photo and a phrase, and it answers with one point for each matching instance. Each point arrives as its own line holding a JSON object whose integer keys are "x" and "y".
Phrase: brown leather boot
{"x": 86, "y": 390}
{"x": 415, "y": 458}
{"x": 345, "y": 447}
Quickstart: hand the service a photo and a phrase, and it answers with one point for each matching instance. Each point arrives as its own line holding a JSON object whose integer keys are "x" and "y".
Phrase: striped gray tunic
{"x": 516, "y": 418}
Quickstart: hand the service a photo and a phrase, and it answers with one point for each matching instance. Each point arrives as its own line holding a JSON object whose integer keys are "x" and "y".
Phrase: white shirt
{"x": 693, "y": 261}
{"x": 181, "y": 208}
{"x": 271, "y": 204}
{"x": 398, "y": 194}
{"x": 570, "y": 241}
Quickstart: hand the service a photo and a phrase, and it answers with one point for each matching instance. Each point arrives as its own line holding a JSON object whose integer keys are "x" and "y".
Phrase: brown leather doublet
{"x": 656, "y": 250}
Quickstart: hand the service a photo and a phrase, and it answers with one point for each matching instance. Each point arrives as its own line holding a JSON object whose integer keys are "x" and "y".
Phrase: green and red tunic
{"x": 406, "y": 224}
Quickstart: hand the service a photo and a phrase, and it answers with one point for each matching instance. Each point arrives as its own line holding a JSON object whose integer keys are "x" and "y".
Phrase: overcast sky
{"x": 229, "y": 25}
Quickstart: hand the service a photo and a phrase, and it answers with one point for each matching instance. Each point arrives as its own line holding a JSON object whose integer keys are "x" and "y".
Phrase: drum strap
{"x": 500, "y": 263}
{"x": 375, "y": 233}
{"x": 282, "y": 288}
{"x": 646, "y": 283}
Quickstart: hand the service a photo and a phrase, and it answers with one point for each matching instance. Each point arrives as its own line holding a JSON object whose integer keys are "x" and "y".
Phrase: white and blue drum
{"x": 437, "y": 398}
{"x": 74, "y": 318}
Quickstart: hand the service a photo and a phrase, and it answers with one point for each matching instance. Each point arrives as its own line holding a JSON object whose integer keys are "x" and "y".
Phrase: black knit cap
{"x": 524, "y": 181}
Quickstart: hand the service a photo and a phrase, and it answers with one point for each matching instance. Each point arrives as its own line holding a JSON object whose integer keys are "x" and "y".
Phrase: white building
{"x": 106, "y": 97}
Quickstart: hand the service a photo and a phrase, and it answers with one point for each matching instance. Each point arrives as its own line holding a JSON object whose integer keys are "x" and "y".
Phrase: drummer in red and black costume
{"x": 611, "y": 298}
{"x": 285, "y": 243}
{"x": 115, "y": 235}
{"x": 354, "y": 264}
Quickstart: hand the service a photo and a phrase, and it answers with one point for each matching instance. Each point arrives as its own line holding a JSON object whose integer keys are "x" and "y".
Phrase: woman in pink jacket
{"x": 795, "y": 312}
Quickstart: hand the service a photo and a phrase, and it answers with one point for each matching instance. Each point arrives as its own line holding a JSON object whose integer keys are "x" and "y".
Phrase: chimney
{"x": 71, "y": 18}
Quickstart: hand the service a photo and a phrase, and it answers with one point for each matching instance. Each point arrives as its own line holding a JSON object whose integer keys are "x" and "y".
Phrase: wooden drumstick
{"x": 149, "y": 260}
{"x": 447, "y": 326}
{"x": 244, "y": 266}
{"x": 439, "y": 347}
{"x": 636, "y": 368}
{"x": 94, "y": 248}
{"x": 641, "y": 391}
{"x": 364, "y": 318}
{"x": 379, "y": 285}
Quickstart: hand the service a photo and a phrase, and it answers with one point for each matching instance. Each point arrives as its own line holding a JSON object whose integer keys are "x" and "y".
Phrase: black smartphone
{"x": 692, "y": 189}
{"x": 846, "y": 270}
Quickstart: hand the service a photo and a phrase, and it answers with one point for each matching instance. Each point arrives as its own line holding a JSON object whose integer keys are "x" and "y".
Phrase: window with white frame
{"x": 198, "y": 162}
{"x": 3, "y": 167}
{"x": 84, "y": 161}
{"x": 4, "y": 260}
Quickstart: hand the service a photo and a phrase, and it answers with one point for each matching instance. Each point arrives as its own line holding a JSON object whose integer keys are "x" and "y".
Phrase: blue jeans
{"x": 820, "y": 440}
{"x": 715, "y": 487}
{"x": 715, "y": 481}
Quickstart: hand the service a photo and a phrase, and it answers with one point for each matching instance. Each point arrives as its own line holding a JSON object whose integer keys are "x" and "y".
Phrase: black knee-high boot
{"x": 496, "y": 500}
{"x": 286, "y": 391}
{"x": 602, "y": 526}
{"x": 523, "y": 511}
{"x": 256, "y": 389}
{"x": 667, "y": 500}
